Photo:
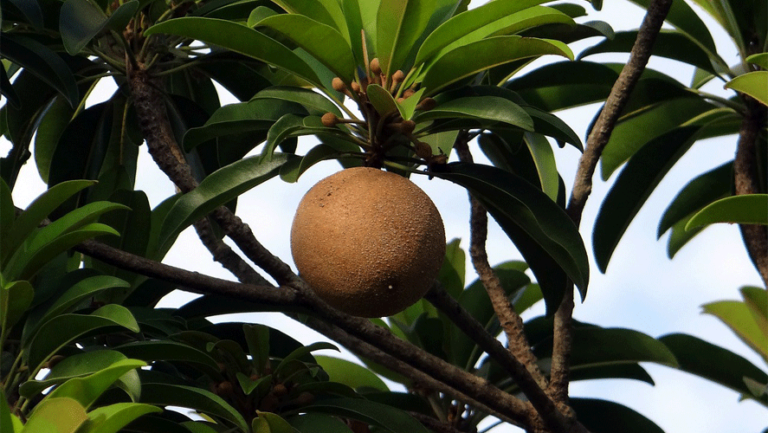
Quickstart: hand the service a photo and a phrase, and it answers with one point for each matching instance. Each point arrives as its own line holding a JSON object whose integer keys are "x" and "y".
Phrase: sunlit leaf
{"x": 754, "y": 84}
{"x": 740, "y": 209}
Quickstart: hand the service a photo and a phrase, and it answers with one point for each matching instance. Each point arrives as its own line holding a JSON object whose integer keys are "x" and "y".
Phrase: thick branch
{"x": 582, "y": 188}
{"x": 746, "y": 181}
{"x": 223, "y": 254}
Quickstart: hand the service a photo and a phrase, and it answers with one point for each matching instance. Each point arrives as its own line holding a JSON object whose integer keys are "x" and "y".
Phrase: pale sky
{"x": 642, "y": 289}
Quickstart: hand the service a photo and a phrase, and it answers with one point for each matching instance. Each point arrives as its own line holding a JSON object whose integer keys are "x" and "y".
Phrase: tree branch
{"x": 223, "y": 254}
{"x": 746, "y": 181}
{"x": 582, "y": 188}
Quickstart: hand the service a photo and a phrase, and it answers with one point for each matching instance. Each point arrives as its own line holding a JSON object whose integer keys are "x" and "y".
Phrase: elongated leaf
{"x": 80, "y": 21}
{"x": 162, "y": 394}
{"x": 757, "y": 300}
{"x": 15, "y": 299}
{"x": 741, "y": 209}
{"x": 601, "y": 416}
{"x": 544, "y": 158}
{"x": 349, "y": 373}
{"x": 47, "y": 416}
{"x": 169, "y": 351}
{"x": 285, "y": 127}
{"x": 486, "y": 109}
{"x": 31, "y": 11}
{"x": 85, "y": 390}
{"x": 699, "y": 192}
{"x": 266, "y": 422}
{"x": 112, "y": 418}
{"x": 74, "y": 220}
{"x": 669, "y": 43}
{"x": 541, "y": 229}
{"x": 377, "y": 414}
{"x": 6, "y": 419}
{"x": 714, "y": 363}
{"x": 323, "y": 42}
{"x": 738, "y": 316}
{"x": 760, "y": 59}
{"x": 302, "y": 351}
{"x": 315, "y": 422}
{"x": 65, "y": 328}
{"x": 685, "y": 19}
{"x": 754, "y": 84}
{"x": 217, "y": 189}
{"x": 465, "y": 23}
{"x": 52, "y": 126}
{"x": 381, "y": 100}
{"x": 81, "y": 364}
{"x": 315, "y": 103}
{"x": 633, "y": 187}
{"x": 240, "y": 39}
{"x": 399, "y": 24}
{"x": 79, "y": 291}
{"x": 43, "y": 62}
{"x": 478, "y": 56}
{"x": 6, "y": 89}
{"x": 7, "y": 216}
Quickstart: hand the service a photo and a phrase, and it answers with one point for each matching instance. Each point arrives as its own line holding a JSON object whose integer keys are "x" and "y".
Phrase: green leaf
{"x": 489, "y": 110}
{"x": 240, "y": 39}
{"x": 388, "y": 418}
{"x": 43, "y": 63}
{"x": 633, "y": 187}
{"x": 601, "y": 416}
{"x": 699, "y": 192}
{"x": 465, "y": 23}
{"x": 636, "y": 130}
{"x": 6, "y": 419}
{"x": 757, "y": 300}
{"x": 452, "y": 272}
{"x": 295, "y": 167}
{"x": 81, "y": 20}
{"x": 349, "y": 373}
{"x": 478, "y": 56}
{"x": 80, "y": 291}
{"x": 215, "y": 190}
{"x": 85, "y": 390}
{"x": 163, "y": 394}
{"x": 714, "y": 363}
{"x": 754, "y": 84}
{"x": 287, "y": 126}
{"x": 594, "y": 346}
{"x": 315, "y": 422}
{"x": 47, "y": 416}
{"x": 323, "y": 42}
{"x": 7, "y": 216}
{"x": 740, "y": 209}
{"x": 315, "y": 103}
{"x": 37, "y": 211}
{"x": 32, "y": 12}
{"x": 760, "y": 59}
{"x": 77, "y": 219}
{"x": 544, "y": 158}
{"x": 15, "y": 299}
{"x": 61, "y": 330}
{"x": 685, "y": 19}
{"x": 166, "y": 350}
{"x": 81, "y": 364}
{"x": 266, "y": 422}
{"x": 300, "y": 352}
{"x": 112, "y": 418}
{"x": 399, "y": 24}
{"x": 670, "y": 44}
{"x": 738, "y": 316}
{"x": 257, "y": 339}
{"x": 52, "y": 126}
{"x": 327, "y": 12}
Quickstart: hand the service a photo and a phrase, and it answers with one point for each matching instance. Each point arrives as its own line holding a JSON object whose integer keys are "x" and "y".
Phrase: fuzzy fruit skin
{"x": 369, "y": 242}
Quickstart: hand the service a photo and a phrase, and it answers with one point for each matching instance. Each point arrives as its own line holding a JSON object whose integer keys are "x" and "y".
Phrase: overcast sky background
{"x": 642, "y": 289}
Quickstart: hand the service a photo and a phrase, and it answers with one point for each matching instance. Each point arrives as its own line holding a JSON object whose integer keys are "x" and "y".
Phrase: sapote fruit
{"x": 369, "y": 242}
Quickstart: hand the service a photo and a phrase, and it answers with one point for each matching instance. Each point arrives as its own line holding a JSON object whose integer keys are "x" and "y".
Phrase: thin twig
{"x": 223, "y": 254}
{"x": 596, "y": 142}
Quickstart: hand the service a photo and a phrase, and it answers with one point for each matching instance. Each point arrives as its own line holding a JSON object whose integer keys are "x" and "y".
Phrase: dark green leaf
{"x": 699, "y": 192}
{"x": 217, "y": 189}
{"x": 315, "y": 422}
{"x": 194, "y": 398}
{"x": 601, "y": 416}
{"x": 266, "y": 422}
{"x": 170, "y": 351}
{"x": 386, "y": 417}
{"x": 315, "y": 103}
{"x": 32, "y": 12}
{"x": 453, "y": 269}
{"x": 15, "y": 299}
{"x": 741, "y": 209}
{"x": 80, "y": 21}
{"x": 240, "y": 39}
{"x": 633, "y": 187}
{"x": 43, "y": 62}
{"x": 6, "y": 89}
{"x": 301, "y": 352}
{"x": 52, "y": 126}
{"x": 540, "y": 228}
{"x": 349, "y": 373}
{"x": 714, "y": 363}
{"x": 685, "y": 19}
{"x": 486, "y": 109}
{"x": 85, "y": 390}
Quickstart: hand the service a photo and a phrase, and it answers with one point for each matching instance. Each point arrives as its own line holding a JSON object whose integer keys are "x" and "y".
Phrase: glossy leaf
{"x": 699, "y": 192}
{"x": 217, "y": 189}
{"x": 452, "y": 271}
{"x": 15, "y": 299}
{"x": 754, "y": 84}
{"x": 112, "y": 418}
{"x": 380, "y": 415}
{"x": 285, "y": 127}
{"x": 685, "y": 19}
{"x": 399, "y": 24}
{"x": 162, "y": 350}
{"x": 85, "y": 390}
{"x": 633, "y": 187}
{"x": 315, "y": 103}
{"x": 266, "y": 422}
{"x": 43, "y": 62}
{"x": 315, "y": 422}
{"x": 544, "y": 158}
{"x": 486, "y": 109}
{"x": 240, "y": 39}
{"x": 738, "y": 316}
{"x": 714, "y": 363}
{"x": 61, "y": 330}
{"x": 760, "y": 59}
{"x": 601, "y": 416}
{"x": 741, "y": 209}
{"x": 350, "y": 374}
{"x": 80, "y": 291}
{"x": 381, "y": 100}
{"x": 541, "y": 229}
{"x": 47, "y": 416}
{"x": 467, "y": 22}
{"x": 478, "y": 56}
{"x": 80, "y": 21}
{"x": 52, "y": 126}
{"x": 669, "y": 43}
{"x": 81, "y": 364}
{"x": 31, "y": 11}
{"x": 163, "y": 394}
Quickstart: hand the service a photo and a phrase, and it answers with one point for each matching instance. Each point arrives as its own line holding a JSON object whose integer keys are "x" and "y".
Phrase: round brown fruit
{"x": 369, "y": 242}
